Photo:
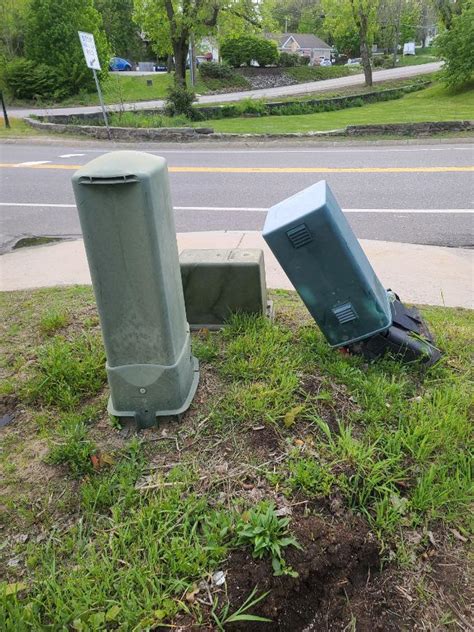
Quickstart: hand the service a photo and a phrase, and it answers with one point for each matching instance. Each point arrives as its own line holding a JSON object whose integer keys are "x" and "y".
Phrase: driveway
{"x": 297, "y": 89}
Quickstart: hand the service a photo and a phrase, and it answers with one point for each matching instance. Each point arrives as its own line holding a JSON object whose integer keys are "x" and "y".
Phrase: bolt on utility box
{"x": 126, "y": 215}
{"x": 217, "y": 283}
{"x": 314, "y": 244}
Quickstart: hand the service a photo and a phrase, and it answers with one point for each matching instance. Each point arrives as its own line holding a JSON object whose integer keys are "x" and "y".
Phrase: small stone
{"x": 218, "y": 578}
{"x": 14, "y": 561}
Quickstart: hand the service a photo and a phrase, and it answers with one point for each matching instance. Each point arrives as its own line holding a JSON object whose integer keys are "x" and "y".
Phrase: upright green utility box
{"x": 126, "y": 215}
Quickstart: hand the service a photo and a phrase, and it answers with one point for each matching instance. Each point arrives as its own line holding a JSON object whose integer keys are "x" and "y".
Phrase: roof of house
{"x": 304, "y": 40}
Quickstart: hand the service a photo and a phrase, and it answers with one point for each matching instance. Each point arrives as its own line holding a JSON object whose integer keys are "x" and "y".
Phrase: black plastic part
{"x": 408, "y": 338}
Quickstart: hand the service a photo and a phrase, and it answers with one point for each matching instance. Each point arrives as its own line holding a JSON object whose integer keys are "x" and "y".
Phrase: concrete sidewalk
{"x": 428, "y": 275}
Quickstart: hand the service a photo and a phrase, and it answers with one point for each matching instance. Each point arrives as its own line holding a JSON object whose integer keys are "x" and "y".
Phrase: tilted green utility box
{"x": 314, "y": 244}
{"x": 126, "y": 215}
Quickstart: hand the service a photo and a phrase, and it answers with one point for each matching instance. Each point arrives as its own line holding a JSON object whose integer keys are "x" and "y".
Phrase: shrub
{"x": 239, "y": 51}
{"x": 378, "y": 61}
{"x": 51, "y": 38}
{"x": 303, "y": 61}
{"x": 180, "y": 101}
{"x": 456, "y": 47}
{"x": 26, "y": 79}
{"x": 288, "y": 60}
{"x": 213, "y": 70}
{"x": 251, "y": 106}
{"x": 266, "y": 52}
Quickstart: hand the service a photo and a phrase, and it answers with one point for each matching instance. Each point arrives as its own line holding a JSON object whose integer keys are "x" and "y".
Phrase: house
{"x": 304, "y": 44}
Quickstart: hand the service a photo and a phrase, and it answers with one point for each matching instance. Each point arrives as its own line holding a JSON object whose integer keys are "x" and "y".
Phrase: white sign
{"x": 89, "y": 50}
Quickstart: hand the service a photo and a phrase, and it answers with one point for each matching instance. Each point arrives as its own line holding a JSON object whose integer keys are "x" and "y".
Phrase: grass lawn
{"x": 120, "y": 88}
{"x": 345, "y": 91}
{"x": 433, "y": 104}
{"x": 421, "y": 56}
{"x": 17, "y": 128}
{"x": 302, "y": 485}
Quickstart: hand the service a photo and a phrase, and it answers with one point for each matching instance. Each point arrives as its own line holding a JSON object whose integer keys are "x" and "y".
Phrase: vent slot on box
{"x": 125, "y": 179}
{"x": 299, "y": 236}
{"x": 344, "y": 313}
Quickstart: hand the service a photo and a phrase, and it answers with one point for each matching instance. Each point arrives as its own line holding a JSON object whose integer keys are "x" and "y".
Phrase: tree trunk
{"x": 397, "y": 33}
{"x": 180, "y": 49}
{"x": 364, "y": 49}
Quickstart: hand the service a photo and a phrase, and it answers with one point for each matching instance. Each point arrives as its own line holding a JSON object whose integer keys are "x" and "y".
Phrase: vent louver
{"x": 299, "y": 236}
{"x": 345, "y": 313}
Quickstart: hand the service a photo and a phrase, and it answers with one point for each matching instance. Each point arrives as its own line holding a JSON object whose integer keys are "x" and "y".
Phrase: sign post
{"x": 92, "y": 61}
{"x": 5, "y": 115}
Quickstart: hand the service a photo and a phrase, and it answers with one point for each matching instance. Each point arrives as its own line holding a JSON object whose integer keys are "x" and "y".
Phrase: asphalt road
{"x": 297, "y": 89}
{"x": 405, "y": 193}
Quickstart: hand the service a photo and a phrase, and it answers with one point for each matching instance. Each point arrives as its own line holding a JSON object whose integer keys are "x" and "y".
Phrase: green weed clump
{"x": 67, "y": 371}
{"x": 261, "y": 363}
{"x": 136, "y": 119}
{"x": 53, "y": 320}
{"x": 73, "y": 448}
{"x": 267, "y": 534}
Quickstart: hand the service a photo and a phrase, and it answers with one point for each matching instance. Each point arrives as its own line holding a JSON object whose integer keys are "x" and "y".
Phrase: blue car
{"x": 117, "y": 63}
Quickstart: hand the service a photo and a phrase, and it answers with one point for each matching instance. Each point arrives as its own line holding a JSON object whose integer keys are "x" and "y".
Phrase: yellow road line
{"x": 461, "y": 169}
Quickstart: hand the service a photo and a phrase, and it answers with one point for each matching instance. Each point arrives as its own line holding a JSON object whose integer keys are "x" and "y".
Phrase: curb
{"x": 399, "y": 266}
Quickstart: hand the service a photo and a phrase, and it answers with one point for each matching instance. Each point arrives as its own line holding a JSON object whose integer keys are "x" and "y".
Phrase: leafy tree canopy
{"x": 52, "y": 39}
{"x": 171, "y": 23}
{"x": 13, "y": 16}
{"x": 456, "y": 47}
{"x": 122, "y": 32}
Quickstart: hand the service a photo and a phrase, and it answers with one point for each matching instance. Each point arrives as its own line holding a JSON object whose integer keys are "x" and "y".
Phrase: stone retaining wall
{"x": 410, "y": 129}
{"x": 188, "y": 134}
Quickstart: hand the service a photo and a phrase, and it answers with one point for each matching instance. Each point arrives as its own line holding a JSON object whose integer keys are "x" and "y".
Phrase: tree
{"x": 344, "y": 16}
{"x": 312, "y": 20}
{"x": 456, "y": 47}
{"x": 13, "y": 15}
{"x": 52, "y": 39}
{"x": 287, "y": 14}
{"x": 398, "y": 22}
{"x": 122, "y": 33}
{"x": 447, "y": 9}
{"x": 170, "y": 24}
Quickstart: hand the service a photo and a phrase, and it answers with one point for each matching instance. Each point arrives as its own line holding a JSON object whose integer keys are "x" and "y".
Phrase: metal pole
{"x": 191, "y": 61}
{"x": 7, "y": 122}
{"x": 101, "y": 102}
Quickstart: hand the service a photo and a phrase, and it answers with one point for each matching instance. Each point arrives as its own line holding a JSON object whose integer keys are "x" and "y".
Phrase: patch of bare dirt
{"x": 8, "y": 404}
{"x": 335, "y": 563}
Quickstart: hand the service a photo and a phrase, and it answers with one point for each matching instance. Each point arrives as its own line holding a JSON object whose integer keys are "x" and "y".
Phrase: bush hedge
{"x": 28, "y": 80}
{"x": 213, "y": 70}
{"x": 243, "y": 50}
{"x": 288, "y": 60}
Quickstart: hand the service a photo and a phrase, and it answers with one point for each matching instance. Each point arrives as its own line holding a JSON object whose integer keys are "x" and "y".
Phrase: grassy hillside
{"x": 433, "y": 104}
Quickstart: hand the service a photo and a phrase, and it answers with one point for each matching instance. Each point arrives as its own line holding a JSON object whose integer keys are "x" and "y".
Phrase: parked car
{"x": 325, "y": 62}
{"x": 354, "y": 62}
{"x": 117, "y": 64}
